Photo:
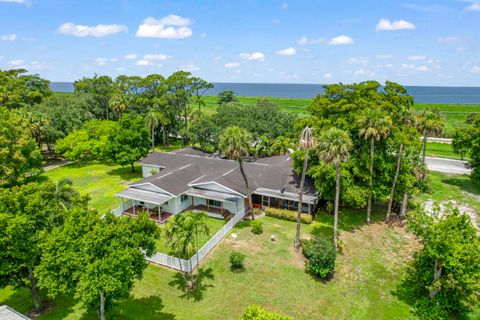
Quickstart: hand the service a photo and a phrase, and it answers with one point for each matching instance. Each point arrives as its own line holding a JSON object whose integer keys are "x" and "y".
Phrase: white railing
{"x": 189, "y": 265}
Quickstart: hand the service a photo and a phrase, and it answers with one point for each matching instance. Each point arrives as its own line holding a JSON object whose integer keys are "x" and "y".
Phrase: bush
{"x": 320, "y": 254}
{"x": 288, "y": 215}
{"x": 257, "y": 211}
{"x": 257, "y": 313}
{"x": 237, "y": 260}
{"x": 257, "y": 227}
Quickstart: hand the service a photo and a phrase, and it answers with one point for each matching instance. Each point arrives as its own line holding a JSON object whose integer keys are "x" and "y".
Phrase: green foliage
{"x": 235, "y": 143}
{"x": 237, "y": 260}
{"x": 18, "y": 89}
{"x": 288, "y": 215}
{"x": 92, "y": 256}
{"x": 256, "y": 226}
{"x": 466, "y": 142}
{"x": 443, "y": 281}
{"x": 257, "y": 313}
{"x": 226, "y": 97}
{"x": 320, "y": 254}
{"x": 19, "y": 156}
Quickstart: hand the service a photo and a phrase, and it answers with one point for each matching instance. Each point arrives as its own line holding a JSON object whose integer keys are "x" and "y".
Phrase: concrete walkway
{"x": 447, "y": 165}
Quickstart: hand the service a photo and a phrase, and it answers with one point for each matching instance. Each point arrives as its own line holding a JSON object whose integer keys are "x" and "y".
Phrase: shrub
{"x": 320, "y": 254}
{"x": 257, "y": 227}
{"x": 257, "y": 211}
{"x": 288, "y": 215}
{"x": 237, "y": 260}
{"x": 257, "y": 313}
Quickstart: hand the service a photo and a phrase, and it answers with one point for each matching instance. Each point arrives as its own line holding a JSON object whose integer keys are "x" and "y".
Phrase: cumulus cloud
{"x": 473, "y": 7}
{"x": 143, "y": 63}
{"x": 97, "y": 31}
{"x": 327, "y": 75}
{"x": 130, "y": 56}
{"x": 120, "y": 68}
{"x": 231, "y": 65}
{"x": 8, "y": 37}
{"x": 412, "y": 68}
{"x": 169, "y": 27}
{"x": 363, "y": 72}
{"x": 448, "y": 40}
{"x": 101, "y": 61}
{"x": 387, "y": 25}
{"x": 358, "y": 60}
{"x": 16, "y": 62}
{"x": 15, "y": 1}
{"x": 416, "y": 58}
{"x": 475, "y": 69}
{"x": 340, "y": 40}
{"x": 287, "y": 52}
{"x": 254, "y": 56}
{"x": 189, "y": 67}
{"x": 306, "y": 40}
{"x": 155, "y": 57}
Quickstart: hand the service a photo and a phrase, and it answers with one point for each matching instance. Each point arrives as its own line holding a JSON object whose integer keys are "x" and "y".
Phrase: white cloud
{"x": 189, "y": 67}
{"x": 340, "y": 40}
{"x": 97, "y": 31}
{"x": 8, "y": 37}
{"x": 306, "y": 40}
{"x": 255, "y": 56}
{"x": 289, "y": 75}
{"x": 422, "y": 68}
{"x": 287, "y": 52}
{"x": 231, "y": 65}
{"x": 448, "y": 40}
{"x": 284, "y": 6}
{"x": 358, "y": 60}
{"x": 15, "y": 1}
{"x": 155, "y": 57}
{"x": 416, "y": 58}
{"x": 473, "y": 7}
{"x": 130, "y": 56}
{"x": 17, "y": 62}
{"x": 113, "y": 59}
{"x": 101, "y": 61}
{"x": 169, "y": 27}
{"x": 387, "y": 25}
{"x": 120, "y": 68}
{"x": 327, "y": 75}
{"x": 475, "y": 69}
{"x": 143, "y": 63}
{"x": 412, "y": 68}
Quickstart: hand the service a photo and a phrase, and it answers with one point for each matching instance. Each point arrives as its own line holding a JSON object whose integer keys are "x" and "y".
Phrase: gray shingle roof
{"x": 189, "y": 166}
{"x": 7, "y": 313}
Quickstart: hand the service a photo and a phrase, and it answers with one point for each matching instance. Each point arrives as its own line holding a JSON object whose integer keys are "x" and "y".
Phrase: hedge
{"x": 288, "y": 215}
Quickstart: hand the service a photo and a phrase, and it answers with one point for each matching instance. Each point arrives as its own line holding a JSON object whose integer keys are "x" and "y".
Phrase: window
{"x": 265, "y": 201}
{"x": 183, "y": 198}
{"x": 256, "y": 198}
{"x": 273, "y": 202}
{"x": 214, "y": 203}
{"x": 305, "y": 207}
{"x": 293, "y": 205}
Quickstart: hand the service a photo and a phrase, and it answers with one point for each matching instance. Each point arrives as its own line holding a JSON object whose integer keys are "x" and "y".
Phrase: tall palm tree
{"x": 306, "y": 142}
{"x": 152, "y": 120}
{"x": 429, "y": 121}
{"x": 119, "y": 103}
{"x": 374, "y": 125}
{"x": 264, "y": 146}
{"x": 65, "y": 193}
{"x": 334, "y": 145}
{"x": 235, "y": 144}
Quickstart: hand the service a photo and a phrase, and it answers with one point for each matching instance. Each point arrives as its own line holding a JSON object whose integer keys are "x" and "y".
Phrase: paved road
{"x": 447, "y": 165}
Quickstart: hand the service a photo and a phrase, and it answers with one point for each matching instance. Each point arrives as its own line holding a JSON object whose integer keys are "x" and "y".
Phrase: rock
{"x": 234, "y": 235}
{"x": 272, "y": 237}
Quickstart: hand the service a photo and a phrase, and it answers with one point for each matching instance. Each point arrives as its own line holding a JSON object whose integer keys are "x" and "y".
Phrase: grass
{"x": 214, "y": 225}
{"x": 100, "y": 181}
{"x": 442, "y": 150}
{"x": 366, "y": 276}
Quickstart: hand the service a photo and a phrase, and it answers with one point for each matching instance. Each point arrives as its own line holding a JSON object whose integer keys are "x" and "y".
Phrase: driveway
{"x": 447, "y": 165}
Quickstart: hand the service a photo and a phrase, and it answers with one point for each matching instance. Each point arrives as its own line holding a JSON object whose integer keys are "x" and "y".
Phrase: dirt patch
{"x": 430, "y": 205}
{"x": 297, "y": 258}
{"x": 249, "y": 246}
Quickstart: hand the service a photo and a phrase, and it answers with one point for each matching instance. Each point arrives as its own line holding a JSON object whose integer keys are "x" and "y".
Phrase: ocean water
{"x": 422, "y": 94}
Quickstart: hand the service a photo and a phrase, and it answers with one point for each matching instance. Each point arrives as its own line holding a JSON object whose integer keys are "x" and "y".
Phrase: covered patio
{"x": 215, "y": 204}
{"x": 139, "y": 201}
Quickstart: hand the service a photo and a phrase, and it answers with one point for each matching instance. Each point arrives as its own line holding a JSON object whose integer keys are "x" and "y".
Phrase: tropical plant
{"x": 264, "y": 146}
{"x": 281, "y": 145}
{"x": 306, "y": 142}
{"x": 119, "y": 103}
{"x": 320, "y": 254}
{"x": 235, "y": 144}
{"x": 374, "y": 125}
{"x": 257, "y": 227}
{"x": 199, "y": 88}
{"x": 225, "y": 97}
{"x": 152, "y": 121}
{"x": 237, "y": 260}
{"x": 65, "y": 193}
{"x": 334, "y": 145}
{"x": 466, "y": 141}
{"x": 257, "y": 313}
{"x": 429, "y": 121}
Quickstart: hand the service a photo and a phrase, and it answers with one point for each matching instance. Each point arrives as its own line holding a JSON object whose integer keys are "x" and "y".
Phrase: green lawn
{"x": 101, "y": 181}
{"x": 214, "y": 225}
{"x": 363, "y": 287}
{"x": 442, "y": 150}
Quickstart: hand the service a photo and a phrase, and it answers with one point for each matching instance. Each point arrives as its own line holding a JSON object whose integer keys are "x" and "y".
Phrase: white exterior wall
{"x": 232, "y": 206}
{"x": 147, "y": 168}
{"x": 199, "y": 201}
{"x": 181, "y": 206}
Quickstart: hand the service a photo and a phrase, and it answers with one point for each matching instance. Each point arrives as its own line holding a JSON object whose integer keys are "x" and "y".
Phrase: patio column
{"x": 159, "y": 214}
{"x": 133, "y": 201}
{"x": 123, "y": 207}
{"x": 221, "y": 207}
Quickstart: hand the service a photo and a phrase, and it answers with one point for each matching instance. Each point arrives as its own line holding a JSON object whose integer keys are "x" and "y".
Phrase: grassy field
{"x": 363, "y": 286}
{"x": 443, "y": 150}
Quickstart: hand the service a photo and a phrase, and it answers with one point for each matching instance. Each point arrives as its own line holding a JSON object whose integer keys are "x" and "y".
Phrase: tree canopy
{"x": 18, "y": 89}
{"x": 466, "y": 142}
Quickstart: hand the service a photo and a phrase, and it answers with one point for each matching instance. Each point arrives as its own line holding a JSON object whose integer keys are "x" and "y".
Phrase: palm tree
{"x": 119, "y": 103}
{"x": 264, "y": 146}
{"x": 235, "y": 144}
{"x": 334, "y": 148}
{"x": 64, "y": 192}
{"x": 430, "y": 121}
{"x": 281, "y": 145}
{"x": 306, "y": 141}
{"x": 152, "y": 121}
{"x": 374, "y": 125}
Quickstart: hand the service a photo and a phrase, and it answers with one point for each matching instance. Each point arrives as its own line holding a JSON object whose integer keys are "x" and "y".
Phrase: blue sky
{"x": 411, "y": 42}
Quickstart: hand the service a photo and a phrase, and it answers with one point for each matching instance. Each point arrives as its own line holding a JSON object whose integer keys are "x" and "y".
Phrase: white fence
{"x": 189, "y": 265}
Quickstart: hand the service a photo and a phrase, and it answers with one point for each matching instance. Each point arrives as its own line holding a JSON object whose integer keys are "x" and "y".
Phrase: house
{"x": 7, "y": 313}
{"x": 189, "y": 179}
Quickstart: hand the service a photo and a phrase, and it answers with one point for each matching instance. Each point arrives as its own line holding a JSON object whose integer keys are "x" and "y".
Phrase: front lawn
{"x": 363, "y": 287}
{"x": 214, "y": 225}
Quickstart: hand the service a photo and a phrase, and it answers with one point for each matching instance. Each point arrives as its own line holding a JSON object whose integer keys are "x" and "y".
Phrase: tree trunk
{"x": 34, "y": 289}
{"x": 250, "y": 204}
{"x": 300, "y": 198}
{"x": 133, "y": 167}
{"x": 337, "y": 204}
{"x": 164, "y": 137}
{"x": 437, "y": 273}
{"x": 153, "y": 140}
{"x": 403, "y": 211}
{"x": 101, "y": 311}
{"x": 369, "y": 205}
{"x": 425, "y": 136}
{"x": 392, "y": 193}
